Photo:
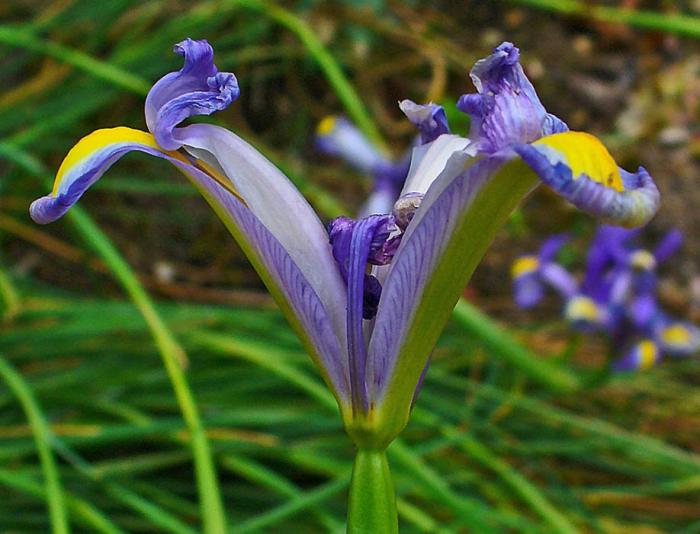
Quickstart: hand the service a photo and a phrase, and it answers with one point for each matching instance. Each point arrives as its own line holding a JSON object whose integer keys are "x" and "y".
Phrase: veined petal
{"x": 337, "y": 136}
{"x": 279, "y": 206}
{"x": 93, "y": 155}
{"x": 291, "y": 289}
{"x": 197, "y": 89}
{"x": 506, "y": 109}
{"x": 87, "y": 161}
{"x": 429, "y": 161}
{"x": 579, "y": 167}
{"x": 439, "y": 251}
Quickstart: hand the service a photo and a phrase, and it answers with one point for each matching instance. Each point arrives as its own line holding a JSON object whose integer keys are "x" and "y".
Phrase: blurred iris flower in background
{"x": 370, "y": 297}
{"x": 617, "y": 296}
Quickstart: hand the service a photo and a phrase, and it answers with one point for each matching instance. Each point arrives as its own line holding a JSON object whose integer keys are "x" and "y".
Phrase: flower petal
{"x": 279, "y": 206}
{"x": 429, "y": 118}
{"x": 197, "y": 89}
{"x": 96, "y": 153}
{"x": 291, "y": 289}
{"x": 506, "y": 110}
{"x": 87, "y": 161}
{"x": 429, "y": 271}
{"x": 430, "y": 160}
{"x": 337, "y": 136}
{"x": 579, "y": 167}
{"x": 641, "y": 356}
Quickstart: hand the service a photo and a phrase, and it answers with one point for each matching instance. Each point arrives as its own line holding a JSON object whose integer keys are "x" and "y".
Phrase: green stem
{"x": 42, "y": 438}
{"x": 678, "y": 24}
{"x": 372, "y": 499}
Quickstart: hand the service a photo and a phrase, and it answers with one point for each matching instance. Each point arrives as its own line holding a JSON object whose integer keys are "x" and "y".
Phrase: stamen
{"x": 405, "y": 208}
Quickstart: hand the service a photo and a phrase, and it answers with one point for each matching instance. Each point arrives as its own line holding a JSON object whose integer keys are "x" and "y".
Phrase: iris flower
{"x": 370, "y": 301}
{"x": 616, "y": 297}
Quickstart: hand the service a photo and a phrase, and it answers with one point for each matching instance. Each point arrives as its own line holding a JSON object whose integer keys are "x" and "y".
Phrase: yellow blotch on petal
{"x": 585, "y": 154}
{"x": 326, "y": 126}
{"x": 101, "y": 139}
{"x": 647, "y": 351}
{"x": 524, "y": 265}
{"x": 582, "y": 308}
{"x": 643, "y": 260}
{"x": 676, "y": 334}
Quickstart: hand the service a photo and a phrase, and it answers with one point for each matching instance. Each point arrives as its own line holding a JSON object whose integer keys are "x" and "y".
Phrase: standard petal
{"x": 279, "y": 206}
{"x": 429, "y": 118}
{"x": 506, "y": 110}
{"x": 197, "y": 89}
{"x": 578, "y": 167}
{"x": 442, "y": 246}
{"x": 429, "y": 161}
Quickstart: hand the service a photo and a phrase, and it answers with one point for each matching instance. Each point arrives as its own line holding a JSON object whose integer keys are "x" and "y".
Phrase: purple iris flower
{"x": 617, "y": 296}
{"x": 370, "y": 300}
{"x": 532, "y": 274}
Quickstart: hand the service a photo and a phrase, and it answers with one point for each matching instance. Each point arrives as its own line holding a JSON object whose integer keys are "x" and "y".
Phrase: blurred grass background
{"x": 97, "y": 435}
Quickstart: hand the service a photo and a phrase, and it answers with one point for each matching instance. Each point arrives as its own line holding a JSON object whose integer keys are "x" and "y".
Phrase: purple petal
{"x": 558, "y": 278}
{"x": 197, "y": 89}
{"x": 337, "y": 136}
{"x": 427, "y": 238}
{"x": 528, "y": 290}
{"x": 642, "y": 355}
{"x": 634, "y": 205}
{"x": 79, "y": 177}
{"x": 279, "y": 206}
{"x": 429, "y": 118}
{"x": 551, "y": 247}
{"x": 669, "y": 245}
{"x": 285, "y": 281}
{"x": 642, "y": 310}
{"x": 363, "y": 235}
{"x": 506, "y": 110}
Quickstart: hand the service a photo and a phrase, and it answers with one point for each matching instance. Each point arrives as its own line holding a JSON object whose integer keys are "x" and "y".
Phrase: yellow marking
{"x": 585, "y": 154}
{"x": 99, "y": 140}
{"x": 647, "y": 351}
{"x": 643, "y": 260}
{"x": 524, "y": 265}
{"x": 676, "y": 334}
{"x": 582, "y": 308}
{"x": 326, "y": 126}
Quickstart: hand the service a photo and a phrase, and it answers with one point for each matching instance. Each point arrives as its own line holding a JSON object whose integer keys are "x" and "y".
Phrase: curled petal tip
{"x": 578, "y": 166}
{"x": 506, "y": 109}
{"x": 430, "y": 119}
{"x": 196, "y": 89}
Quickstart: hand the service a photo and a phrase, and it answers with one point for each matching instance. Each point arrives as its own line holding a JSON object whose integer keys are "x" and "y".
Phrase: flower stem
{"x": 372, "y": 500}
